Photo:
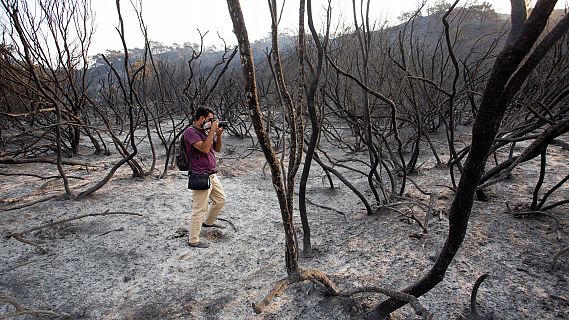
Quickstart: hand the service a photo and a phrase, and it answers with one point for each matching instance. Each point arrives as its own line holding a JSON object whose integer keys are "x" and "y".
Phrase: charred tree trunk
{"x": 315, "y": 124}
{"x": 264, "y": 140}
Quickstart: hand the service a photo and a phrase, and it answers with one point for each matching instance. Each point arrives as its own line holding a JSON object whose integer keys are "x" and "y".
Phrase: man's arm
{"x": 205, "y": 146}
{"x": 217, "y": 144}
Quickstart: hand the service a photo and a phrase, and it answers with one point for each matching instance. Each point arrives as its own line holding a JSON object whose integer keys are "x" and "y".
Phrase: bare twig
{"x": 418, "y": 187}
{"x": 326, "y": 207}
{"x": 557, "y": 255}
{"x": 29, "y": 204}
{"x": 10, "y": 160}
{"x": 230, "y": 223}
{"x": 107, "y": 232}
{"x": 20, "y": 238}
{"x": 562, "y": 298}
{"x": 36, "y": 176}
{"x": 538, "y": 212}
{"x": 474, "y": 292}
{"x": 21, "y": 311}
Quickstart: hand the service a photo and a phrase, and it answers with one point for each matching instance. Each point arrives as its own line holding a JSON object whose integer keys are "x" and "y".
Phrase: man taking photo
{"x": 203, "y": 139}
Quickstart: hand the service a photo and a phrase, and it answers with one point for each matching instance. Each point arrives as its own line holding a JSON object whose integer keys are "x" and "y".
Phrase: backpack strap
{"x": 187, "y": 151}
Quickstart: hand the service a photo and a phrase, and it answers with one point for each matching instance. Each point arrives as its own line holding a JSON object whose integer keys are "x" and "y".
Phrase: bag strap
{"x": 183, "y": 145}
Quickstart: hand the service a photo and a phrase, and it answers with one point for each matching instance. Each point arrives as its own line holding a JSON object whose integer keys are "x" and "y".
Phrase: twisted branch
{"x": 322, "y": 279}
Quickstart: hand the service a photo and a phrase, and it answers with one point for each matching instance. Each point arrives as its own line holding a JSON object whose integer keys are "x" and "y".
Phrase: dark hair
{"x": 202, "y": 112}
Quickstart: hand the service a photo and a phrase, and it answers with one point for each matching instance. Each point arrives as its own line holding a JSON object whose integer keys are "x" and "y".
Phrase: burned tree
{"x": 511, "y": 70}
{"x": 295, "y": 273}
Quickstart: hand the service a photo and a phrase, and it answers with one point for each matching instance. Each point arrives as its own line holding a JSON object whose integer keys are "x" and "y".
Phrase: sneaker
{"x": 199, "y": 245}
{"x": 215, "y": 225}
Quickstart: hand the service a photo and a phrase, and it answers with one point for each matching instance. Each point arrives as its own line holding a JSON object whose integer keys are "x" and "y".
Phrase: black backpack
{"x": 181, "y": 158}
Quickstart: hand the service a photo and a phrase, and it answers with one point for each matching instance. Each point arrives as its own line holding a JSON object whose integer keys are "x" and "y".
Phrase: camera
{"x": 223, "y": 124}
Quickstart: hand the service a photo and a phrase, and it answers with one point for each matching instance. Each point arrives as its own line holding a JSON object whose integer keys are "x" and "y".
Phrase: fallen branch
{"x": 473, "y": 310}
{"x": 402, "y": 203}
{"x": 412, "y": 216}
{"x": 427, "y": 208}
{"x": 539, "y": 212}
{"x": 410, "y": 200}
{"x": 61, "y": 195}
{"x": 20, "y": 235}
{"x": 562, "y": 298}
{"x": 557, "y": 255}
{"x": 418, "y": 187}
{"x": 37, "y": 176}
{"x": 29, "y": 204}
{"x": 326, "y": 207}
{"x": 230, "y": 223}
{"x": 115, "y": 230}
{"x": 419, "y": 222}
{"x": 25, "y": 114}
{"x": 24, "y": 264}
{"x": 10, "y": 160}
{"x": 26, "y": 241}
{"x": 21, "y": 311}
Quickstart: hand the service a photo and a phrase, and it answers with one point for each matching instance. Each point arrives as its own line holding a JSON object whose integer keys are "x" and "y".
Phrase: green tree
{"x": 484, "y": 12}
{"x": 439, "y": 8}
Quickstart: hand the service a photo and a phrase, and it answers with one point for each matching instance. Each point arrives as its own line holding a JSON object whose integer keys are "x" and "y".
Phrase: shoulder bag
{"x": 197, "y": 181}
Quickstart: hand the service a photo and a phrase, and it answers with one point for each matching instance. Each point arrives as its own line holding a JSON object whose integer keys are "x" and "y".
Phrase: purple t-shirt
{"x": 199, "y": 161}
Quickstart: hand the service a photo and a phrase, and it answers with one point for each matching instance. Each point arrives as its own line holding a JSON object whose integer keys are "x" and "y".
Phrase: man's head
{"x": 202, "y": 115}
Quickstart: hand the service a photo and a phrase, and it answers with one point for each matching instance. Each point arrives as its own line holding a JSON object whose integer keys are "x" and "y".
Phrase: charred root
{"x": 312, "y": 275}
{"x": 319, "y": 278}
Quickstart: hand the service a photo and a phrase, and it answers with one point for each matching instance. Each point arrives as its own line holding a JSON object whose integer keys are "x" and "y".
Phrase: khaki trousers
{"x": 200, "y": 207}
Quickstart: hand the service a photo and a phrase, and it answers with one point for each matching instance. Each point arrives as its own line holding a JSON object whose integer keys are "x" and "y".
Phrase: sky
{"x": 177, "y": 21}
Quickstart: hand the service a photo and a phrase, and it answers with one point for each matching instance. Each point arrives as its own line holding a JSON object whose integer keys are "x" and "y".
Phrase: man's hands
{"x": 216, "y": 128}
{"x": 218, "y": 131}
{"x": 214, "y": 125}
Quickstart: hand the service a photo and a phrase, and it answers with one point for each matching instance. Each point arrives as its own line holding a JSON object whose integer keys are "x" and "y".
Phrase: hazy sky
{"x": 177, "y": 21}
